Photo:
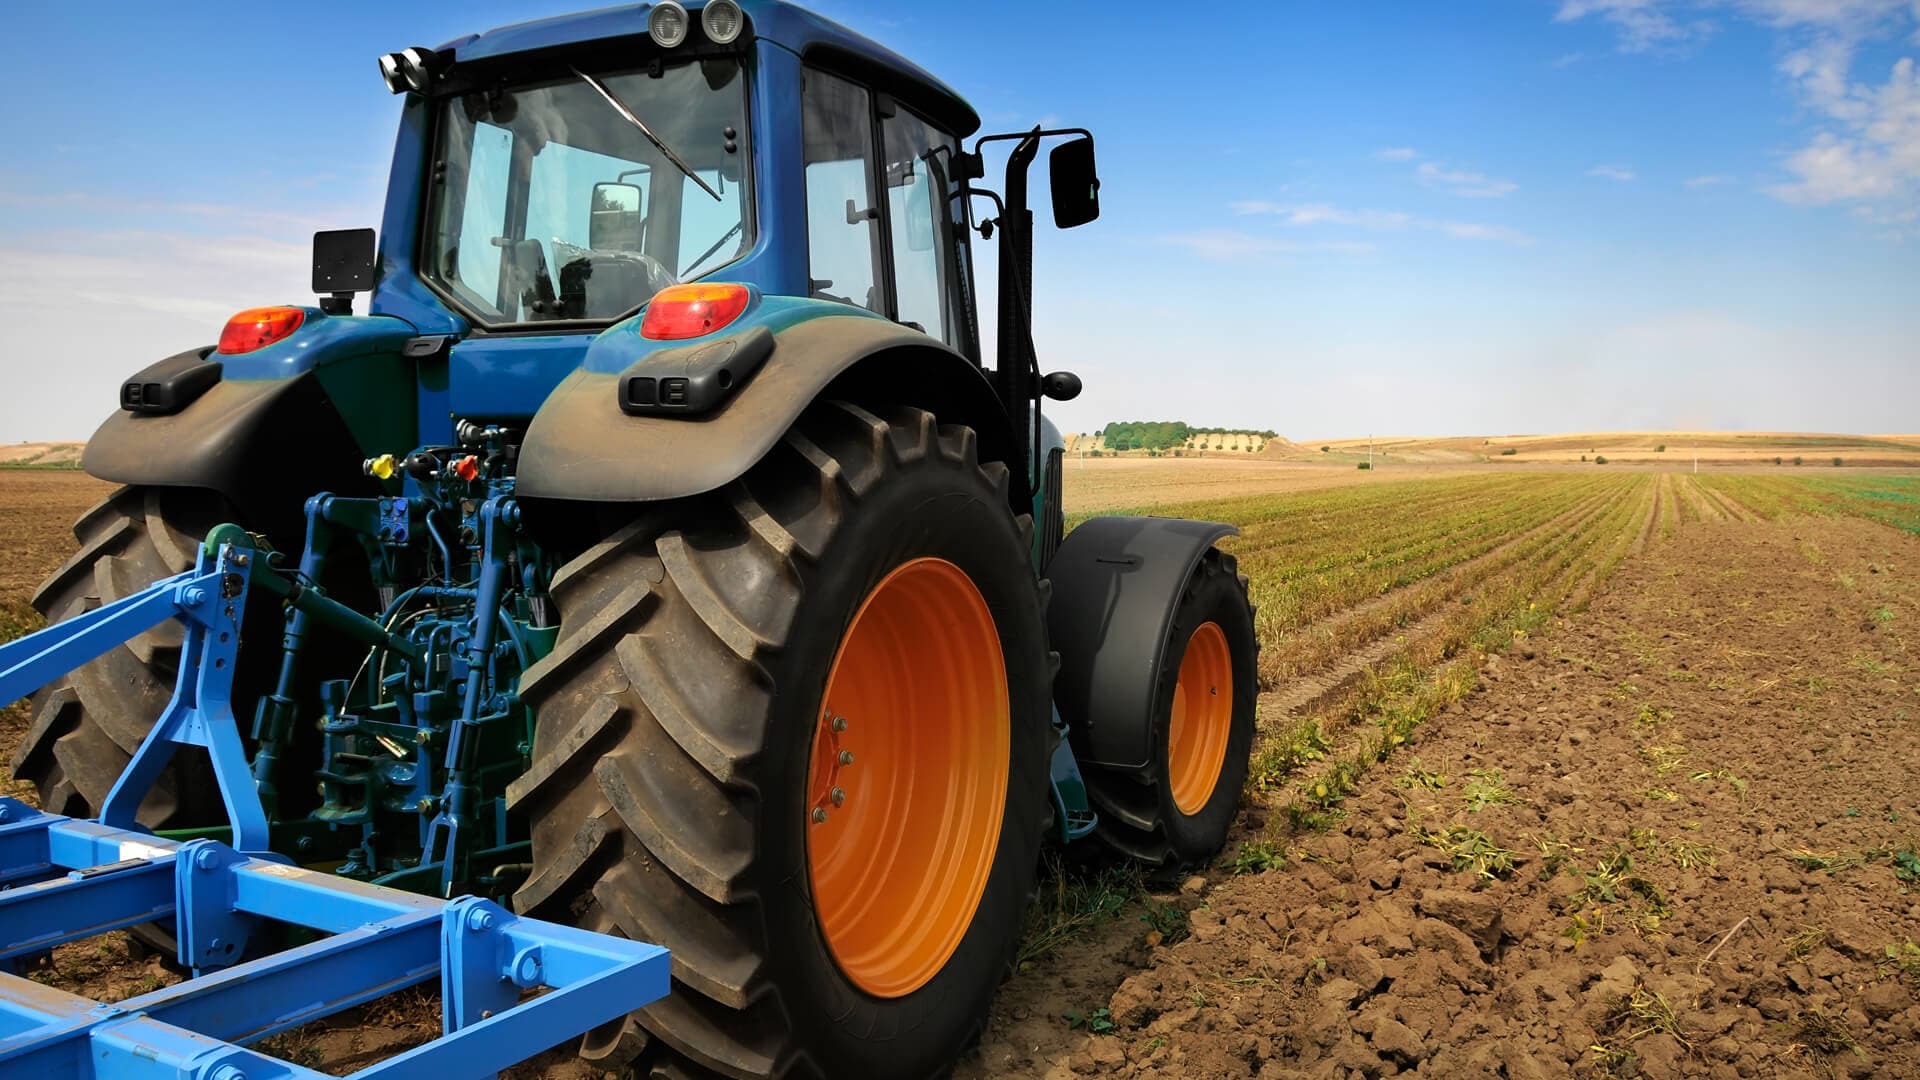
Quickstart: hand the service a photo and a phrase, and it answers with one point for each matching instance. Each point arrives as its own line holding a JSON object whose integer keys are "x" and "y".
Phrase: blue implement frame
{"x": 509, "y": 986}
{"x": 67, "y": 879}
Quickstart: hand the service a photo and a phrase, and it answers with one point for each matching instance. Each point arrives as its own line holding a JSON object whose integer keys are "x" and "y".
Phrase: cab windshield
{"x": 550, "y": 203}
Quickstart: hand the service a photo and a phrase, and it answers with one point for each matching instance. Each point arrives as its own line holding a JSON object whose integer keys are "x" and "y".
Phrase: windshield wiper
{"x": 620, "y": 107}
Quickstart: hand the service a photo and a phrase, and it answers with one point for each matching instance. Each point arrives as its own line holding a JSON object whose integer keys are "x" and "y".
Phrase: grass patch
{"x": 1469, "y": 849}
{"x": 1417, "y": 776}
{"x": 1484, "y": 788}
{"x": 1167, "y": 924}
{"x": 1613, "y": 883}
{"x": 1098, "y": 1021}
{"x": 1257, "y": 857}
{"x": 1664, "y": 759}
{"x": 1823, "y": 1033}
{"x": 1905, "y": 861}
{"x": 1076, "y": 901}
{"x": 1903, "y": 961}
{"x": 1683, "y": 853}
{"x": 1641, "y": 1013}
{"x": 1278, "y": 758}
{"x": 1803, "y": 942}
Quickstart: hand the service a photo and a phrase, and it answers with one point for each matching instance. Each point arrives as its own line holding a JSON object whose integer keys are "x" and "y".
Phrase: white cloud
{"x": 1871, "y": 149}
{"x": 1710, "y": 180}
{"x": 1472, "y": 185}
{"x": 1623, "y": 173}
{"x": 1396, "y": 153}
{"x": 1644, "y": 25}
{"x": 1308, "y": 214}
{"x": 1866, "y": 147}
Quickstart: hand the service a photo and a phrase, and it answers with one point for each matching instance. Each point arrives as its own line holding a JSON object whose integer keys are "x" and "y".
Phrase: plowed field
{"x": 1560, "y": 773}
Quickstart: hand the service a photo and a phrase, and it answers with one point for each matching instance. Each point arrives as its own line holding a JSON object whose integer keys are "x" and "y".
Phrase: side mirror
{"x": 1076, "y": 185}
{"x": 614, "y": 220}
{"x": 342, "y": 266}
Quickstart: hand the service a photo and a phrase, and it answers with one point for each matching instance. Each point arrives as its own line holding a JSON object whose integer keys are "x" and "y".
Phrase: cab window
{"x": 843, "y": 222}
{"x": 918, "y": 159}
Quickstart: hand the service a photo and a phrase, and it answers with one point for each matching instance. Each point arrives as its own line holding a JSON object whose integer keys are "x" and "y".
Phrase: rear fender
{"x": 582, "y": 447}
{"x": 1116, "y": 584}
{"x": 281, "y": 423}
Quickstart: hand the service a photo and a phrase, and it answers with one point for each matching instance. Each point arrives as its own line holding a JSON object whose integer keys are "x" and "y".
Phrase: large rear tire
{"x": 87, "y": 725}
{"x": 796, "y": 730}
{"x": 1179, "y": 809}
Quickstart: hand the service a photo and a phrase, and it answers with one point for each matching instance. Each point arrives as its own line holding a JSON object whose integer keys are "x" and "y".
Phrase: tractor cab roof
{"x": 813, "y": 37}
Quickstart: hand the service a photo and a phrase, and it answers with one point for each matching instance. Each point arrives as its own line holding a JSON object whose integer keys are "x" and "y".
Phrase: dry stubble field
{"x": 1561, "y": 772}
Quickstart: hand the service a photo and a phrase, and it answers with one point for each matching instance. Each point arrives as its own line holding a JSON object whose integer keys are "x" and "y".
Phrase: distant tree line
{"x": 1164, "y": 434}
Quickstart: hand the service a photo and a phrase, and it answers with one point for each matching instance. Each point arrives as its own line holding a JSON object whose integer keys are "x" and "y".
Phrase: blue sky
{"x": 1327, "y": 219}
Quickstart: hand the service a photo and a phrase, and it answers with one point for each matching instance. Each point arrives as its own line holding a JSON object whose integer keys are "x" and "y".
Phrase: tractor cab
{"x": 552, "y": 178}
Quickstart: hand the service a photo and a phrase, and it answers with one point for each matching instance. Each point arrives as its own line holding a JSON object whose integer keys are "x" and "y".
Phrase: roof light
{"x": 667, "y": 23}
{"x": 257, "y": 328}
{"x": 411, "y": 69}
{"x": 722, "y": 20}
{"x": 688, "y": 311}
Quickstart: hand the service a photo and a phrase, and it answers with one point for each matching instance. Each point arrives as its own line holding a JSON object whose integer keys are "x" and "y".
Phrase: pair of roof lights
{"x": 667, "y": 24}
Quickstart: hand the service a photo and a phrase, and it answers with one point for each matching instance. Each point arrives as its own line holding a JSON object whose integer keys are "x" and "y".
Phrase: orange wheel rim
{"x": 1202, "y": 719}
{"x": 907, "y": 785}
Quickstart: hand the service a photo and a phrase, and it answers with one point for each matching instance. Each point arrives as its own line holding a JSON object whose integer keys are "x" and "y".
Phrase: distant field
{"x": 54, "y": 455}
{"x": 1107, "y": 485}
{"x": 1680, "y": 449}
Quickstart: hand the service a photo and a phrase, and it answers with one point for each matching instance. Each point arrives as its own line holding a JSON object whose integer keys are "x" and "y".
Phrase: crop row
{"x": 1378, "y": 714}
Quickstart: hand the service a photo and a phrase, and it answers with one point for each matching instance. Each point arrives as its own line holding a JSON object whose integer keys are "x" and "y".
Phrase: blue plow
{"x": 509, "y": 986}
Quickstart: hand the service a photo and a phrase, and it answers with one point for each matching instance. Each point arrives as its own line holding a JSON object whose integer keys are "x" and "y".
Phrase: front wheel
{"x": 1179, "y": 809}
{"x": 797, "y": 731}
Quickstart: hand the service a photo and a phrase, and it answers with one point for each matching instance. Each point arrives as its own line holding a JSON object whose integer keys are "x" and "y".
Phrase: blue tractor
{"x": 658, "y": 557}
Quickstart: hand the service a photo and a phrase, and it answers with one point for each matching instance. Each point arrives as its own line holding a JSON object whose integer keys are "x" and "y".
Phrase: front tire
{"x": 1178, "y": 810}
{"x": 867, "y": 571}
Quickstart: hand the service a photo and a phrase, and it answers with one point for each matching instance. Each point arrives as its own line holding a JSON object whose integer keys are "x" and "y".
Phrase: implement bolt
{"x": 228, "y": 1072}
{"x": 479, "y": 919}
{"x": 195, "y": 596}
{"x": 819, "y": 815}
{"x": 839, "y": 723}
{"x": 839, "y": 796}
{"x": 206, "y": 860}
{"x": 846, "y": 757}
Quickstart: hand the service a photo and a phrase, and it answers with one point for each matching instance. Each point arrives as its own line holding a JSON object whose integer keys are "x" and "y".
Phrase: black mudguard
{"x": 1116, "y": 583}
{"x": 582, "y": 446}
{"x": 265, "y": 444}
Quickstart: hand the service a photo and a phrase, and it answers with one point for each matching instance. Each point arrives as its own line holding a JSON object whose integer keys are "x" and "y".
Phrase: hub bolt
{"x": 819, "y": 815}
{"x": 846, "y": 757}
{"x": 839, "y": 723}
{"x": 839, "y": 796}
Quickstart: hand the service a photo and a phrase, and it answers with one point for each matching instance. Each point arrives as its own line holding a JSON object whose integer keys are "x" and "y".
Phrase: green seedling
{"x": 1484, "y": 788}
{"x": 1803, "y": 942}
{"x": 1470, "y": 849}
{"x": 1098, "y": 1021}
{"x": 1257, "y": 857}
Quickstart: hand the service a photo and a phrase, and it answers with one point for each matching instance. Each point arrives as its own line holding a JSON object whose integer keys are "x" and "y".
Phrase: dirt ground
{"x": 1703, "y": 785}
{"x": 37, "y": 511}
{"x": 1705, "y": 788}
